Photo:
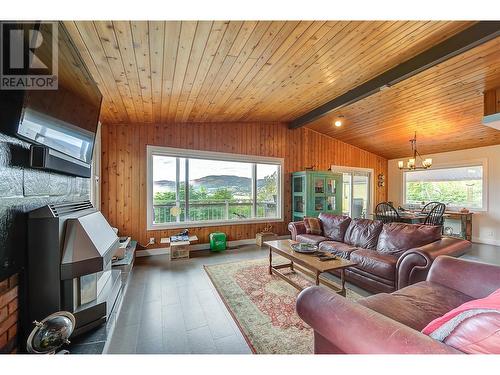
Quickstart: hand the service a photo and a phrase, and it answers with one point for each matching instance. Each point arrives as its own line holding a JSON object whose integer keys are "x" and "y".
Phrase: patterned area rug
{"x": 263, "y": 305}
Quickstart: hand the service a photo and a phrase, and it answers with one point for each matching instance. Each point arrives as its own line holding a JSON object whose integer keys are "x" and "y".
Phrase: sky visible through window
{"x": 164, "y": 168}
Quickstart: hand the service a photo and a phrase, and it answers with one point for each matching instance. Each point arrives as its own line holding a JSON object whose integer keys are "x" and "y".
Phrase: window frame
{"x": 211, "y": 155}
{"x": 483, "y": 162}
{"x": 95, "y": 170}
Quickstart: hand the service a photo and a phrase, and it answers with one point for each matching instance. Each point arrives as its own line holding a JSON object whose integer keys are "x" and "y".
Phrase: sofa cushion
{"x": 363, "y": 233}
{"x": 370, "y": 261}
{"x": 338, "y": 248}
{"x": 313, "y": 225}
{"x": 310, "y": 238}
{"x": 416, "y": 305}
{"x": 334, "y": 226}
{"x": 396, "y": 238}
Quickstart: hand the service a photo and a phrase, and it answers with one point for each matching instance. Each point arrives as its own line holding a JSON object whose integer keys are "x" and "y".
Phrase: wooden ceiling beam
{"x": 477, "y": 34}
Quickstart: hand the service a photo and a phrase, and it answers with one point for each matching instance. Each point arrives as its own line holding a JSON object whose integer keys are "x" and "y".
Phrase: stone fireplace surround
{"x": 23, "y": 189}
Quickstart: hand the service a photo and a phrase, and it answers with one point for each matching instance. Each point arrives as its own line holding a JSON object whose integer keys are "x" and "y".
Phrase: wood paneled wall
{"x": 123, "y": 174}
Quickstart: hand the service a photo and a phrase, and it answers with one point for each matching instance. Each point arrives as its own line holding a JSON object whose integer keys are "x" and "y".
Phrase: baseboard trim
{"x": 486, "y": 241}
{"x": 201, "y": 246}
{"x": 152, "y": 252}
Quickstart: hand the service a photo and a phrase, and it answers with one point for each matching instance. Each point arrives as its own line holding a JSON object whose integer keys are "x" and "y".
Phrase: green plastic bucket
{"x": 217, "y": 241}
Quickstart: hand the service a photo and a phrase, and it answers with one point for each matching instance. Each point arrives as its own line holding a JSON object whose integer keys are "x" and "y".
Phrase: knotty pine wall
{"x": 123, "y": 166}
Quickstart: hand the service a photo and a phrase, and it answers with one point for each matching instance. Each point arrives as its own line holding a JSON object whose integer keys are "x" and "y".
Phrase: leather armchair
{"x": 474, "y": 279}
{"x": 344, "y": 326}
{"x": 414, "y": 264}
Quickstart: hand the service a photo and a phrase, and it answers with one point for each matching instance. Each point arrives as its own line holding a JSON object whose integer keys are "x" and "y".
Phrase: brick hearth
{"x": 8, "y": 314}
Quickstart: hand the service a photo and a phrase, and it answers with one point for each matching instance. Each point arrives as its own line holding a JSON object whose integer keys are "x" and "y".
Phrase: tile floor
{"x": 172, "y": 307}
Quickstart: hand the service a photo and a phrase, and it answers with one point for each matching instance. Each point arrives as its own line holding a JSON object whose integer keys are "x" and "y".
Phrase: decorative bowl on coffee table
{"x": 305, "y": 248}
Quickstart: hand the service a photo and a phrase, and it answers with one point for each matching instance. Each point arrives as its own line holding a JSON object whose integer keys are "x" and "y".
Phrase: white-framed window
{"x": 95, "y": 183}
{"x": 189, "y": 188}
{"x": 457, "y": 186}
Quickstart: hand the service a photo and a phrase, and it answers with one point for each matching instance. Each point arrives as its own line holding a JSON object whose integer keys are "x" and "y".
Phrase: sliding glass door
{"x": 356, "y": 192}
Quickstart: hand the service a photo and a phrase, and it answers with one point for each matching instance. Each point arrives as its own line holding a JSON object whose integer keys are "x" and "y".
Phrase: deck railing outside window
{"x": 214, "y": 210}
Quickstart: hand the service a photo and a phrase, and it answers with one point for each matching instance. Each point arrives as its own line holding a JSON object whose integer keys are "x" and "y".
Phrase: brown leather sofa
{"x": 388, "y": 256}
{"x": 391, "y": 323}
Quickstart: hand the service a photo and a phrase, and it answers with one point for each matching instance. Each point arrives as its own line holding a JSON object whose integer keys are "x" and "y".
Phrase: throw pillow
{"x": 396, "y": 238}
{"x": 334, "y": 226}
{"x": 313, "y": 226}
{"x": 363, "y": 233}
{"x": 473, "y": 327}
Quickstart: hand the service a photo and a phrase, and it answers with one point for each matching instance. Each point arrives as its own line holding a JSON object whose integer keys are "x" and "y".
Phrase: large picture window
{"x": 196, "y": 188}
{"x": 457, "y": 187}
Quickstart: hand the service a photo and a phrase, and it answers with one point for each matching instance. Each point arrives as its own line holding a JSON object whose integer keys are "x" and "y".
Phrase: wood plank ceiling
{"x": 158, "y": 72}
{"x": 444, "y": 105}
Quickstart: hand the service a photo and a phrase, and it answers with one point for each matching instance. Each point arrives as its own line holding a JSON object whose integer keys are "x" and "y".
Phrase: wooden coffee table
{"x": 308, "y": 264}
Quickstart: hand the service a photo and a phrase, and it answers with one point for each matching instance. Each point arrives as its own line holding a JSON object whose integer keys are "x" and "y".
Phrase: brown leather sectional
{"x": 388, "y": 256}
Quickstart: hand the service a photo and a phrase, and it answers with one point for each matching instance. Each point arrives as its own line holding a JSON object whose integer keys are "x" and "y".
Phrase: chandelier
{"x": 411, "y": 164}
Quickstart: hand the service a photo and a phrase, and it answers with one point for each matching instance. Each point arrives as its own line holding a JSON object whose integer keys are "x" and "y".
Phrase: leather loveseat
{"x": 392, "y": 323}
{"x": 387, "y": 256}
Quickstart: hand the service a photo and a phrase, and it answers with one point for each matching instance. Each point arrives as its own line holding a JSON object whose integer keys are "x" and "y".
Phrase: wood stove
{"x": 70, "y": 247}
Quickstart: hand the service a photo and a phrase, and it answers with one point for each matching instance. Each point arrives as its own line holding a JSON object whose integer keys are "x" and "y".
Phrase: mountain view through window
{"x": 207, "y": 190}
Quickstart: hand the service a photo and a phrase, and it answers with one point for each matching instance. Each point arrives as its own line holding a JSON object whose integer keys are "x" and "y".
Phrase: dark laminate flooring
{"x": 172, "y": 307}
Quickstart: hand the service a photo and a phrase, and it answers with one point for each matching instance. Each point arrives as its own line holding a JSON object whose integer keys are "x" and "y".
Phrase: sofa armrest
{"x": 475, "y": 279}
{"x": 352, "y": 328}
{"x": 414, "y": 264}
{"x": 296, "y": 227}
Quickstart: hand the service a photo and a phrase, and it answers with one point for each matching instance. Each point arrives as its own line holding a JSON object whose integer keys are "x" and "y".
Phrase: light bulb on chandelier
{"x": 411, "y": 164}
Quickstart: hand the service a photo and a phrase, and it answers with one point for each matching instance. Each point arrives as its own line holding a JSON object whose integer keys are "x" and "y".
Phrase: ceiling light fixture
{"x": 338, "y": 122}
{"x": 411, "y": 163}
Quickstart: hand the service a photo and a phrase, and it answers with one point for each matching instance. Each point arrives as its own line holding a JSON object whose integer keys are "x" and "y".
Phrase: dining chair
{"x": 429, "y": 206}
{"x": 435, "y": 215}
{"x": 386, "y": 213}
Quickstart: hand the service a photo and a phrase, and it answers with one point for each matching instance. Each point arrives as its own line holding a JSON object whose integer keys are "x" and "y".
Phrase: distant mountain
{"x": 214, "y": 182}
{"x": 223, "y": 181}
{"x": 165, "y": 185}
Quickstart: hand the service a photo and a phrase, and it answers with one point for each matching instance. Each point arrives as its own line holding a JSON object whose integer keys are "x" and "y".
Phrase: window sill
{"x": 453, "y": 209}
{"x": 472, "y": 210}
{"x": 201, "y": 224}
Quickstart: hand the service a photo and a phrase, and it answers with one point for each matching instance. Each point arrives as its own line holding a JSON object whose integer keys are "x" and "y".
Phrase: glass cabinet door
{"x": 319, "y": 185}
{"x": 330, "y": 203}
{"x": 298, "y": 203}
{"x": 298, "y": 184}
{"x": 299, "y": 191}
{"x": 319, "y": 203}
{"x": 331, "y": 187}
